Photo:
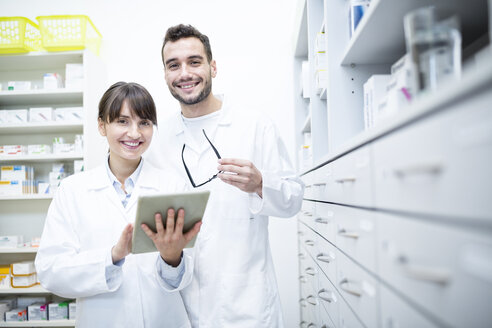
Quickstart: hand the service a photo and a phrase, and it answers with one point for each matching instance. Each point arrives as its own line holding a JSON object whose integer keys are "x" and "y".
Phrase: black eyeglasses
{"x": 188, "y": 171}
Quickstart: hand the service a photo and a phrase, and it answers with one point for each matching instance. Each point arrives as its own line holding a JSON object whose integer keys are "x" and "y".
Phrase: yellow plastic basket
{"x": 18, "y": 35}
{"x": 69, "y": 32}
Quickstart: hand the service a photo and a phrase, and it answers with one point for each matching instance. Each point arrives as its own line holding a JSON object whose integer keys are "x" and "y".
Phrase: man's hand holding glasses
{"x": 247, "y": 177}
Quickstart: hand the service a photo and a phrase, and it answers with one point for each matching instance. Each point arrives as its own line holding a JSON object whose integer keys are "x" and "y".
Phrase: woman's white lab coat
{"x": 84, "y": 222}
{"x": 234, "y": 281}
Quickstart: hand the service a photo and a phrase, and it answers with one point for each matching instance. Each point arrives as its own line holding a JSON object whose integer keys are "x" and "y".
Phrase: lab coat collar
{"x": 101, "y": 179}
{"x": 224, "y": 119}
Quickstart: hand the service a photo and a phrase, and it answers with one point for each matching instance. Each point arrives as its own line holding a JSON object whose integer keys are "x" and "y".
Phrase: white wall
{"x": 253, "y": 45}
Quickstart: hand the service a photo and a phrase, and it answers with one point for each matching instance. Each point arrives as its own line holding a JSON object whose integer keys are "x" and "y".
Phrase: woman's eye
{"x": 145, "y": 123}
{"x": 121, "y": 121}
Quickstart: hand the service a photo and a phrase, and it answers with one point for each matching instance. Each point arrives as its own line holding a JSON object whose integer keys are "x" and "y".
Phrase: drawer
{"x": 347, "y": 180}
{"x": 329, "y": 299}
{"x": 359, "y": 289}
{"x": 307, "y": 211}
{"x": 326, "y": 257}
{"x": 324, "y": 221}
{"x": 444, "y": 270}
{"x": 348, "y": 319}
{"x": 441, "y": 165}
{"x": 308, "y": 180}
{"x": 325, "y": 320}
{"x": 307, "y": 239}
{"x": 356, "y": 234}
{"x": 396, "y": 313}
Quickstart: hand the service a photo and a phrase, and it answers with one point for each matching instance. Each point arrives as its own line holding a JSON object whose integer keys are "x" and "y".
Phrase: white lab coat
{"x": 234, "y": 281}
{"x": 84, "y": 222}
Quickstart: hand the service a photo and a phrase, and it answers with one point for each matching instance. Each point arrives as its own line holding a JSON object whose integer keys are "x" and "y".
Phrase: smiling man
{"x": 234, "y": 282}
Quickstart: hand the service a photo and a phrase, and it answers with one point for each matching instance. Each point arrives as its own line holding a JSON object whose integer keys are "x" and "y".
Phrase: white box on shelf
{"x": 25, "y": 301}
{"x": 320, "y": 44}
{"x": 43, "y": 188}
{"x": 320, "y": 60}
{"x": 374, "y": 91}
{"x": 72, "y": 310}
{"x": 40, "y": 114}
{"x": 69, "y": 114}
{"x": 58, "y": 311}
{"x": 11, "y": 241}
{"x": 78, "y": 166}
{"x": 24, "y": 281}
{"x": 321, "y": 80}
{"x": 22, "y": 268}
{"x": 13, "y": 172}
{"x": 19, "y": 85}
{"x": 14, "y": 150}
{"x": 52, "y": 81}
{"x": 37, "y": 311}
{"x": 10, "y": 188}
{"x": 17, "y": 116}
{"x": 74, "y": 76}
{"x": 38, "y": 149}
{"x": 18, "y": 314}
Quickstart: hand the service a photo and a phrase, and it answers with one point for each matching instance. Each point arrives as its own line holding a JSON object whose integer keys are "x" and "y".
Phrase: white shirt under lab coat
{"x": 84, "y": 222}
{"x": 234, "y": 282}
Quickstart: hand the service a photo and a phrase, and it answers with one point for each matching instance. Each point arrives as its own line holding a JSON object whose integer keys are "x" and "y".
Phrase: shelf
{"x": 26, "y": 197}
{"x": 41, "y": 127}
{"x": 38, "y": 289}
{"x": 380, "y": 39}
{"x": 474, "y": 80}
{"x": 38, "y": 60}
{"x": 40, "y": 158}
{"x": 39, "y": 323}
{"x": 40, "y": 97}
{"x": 19, "y": 250}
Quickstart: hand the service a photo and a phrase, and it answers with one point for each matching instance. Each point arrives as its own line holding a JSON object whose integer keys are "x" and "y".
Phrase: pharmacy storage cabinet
{"x": 25, "y": 214}
{"x": 396, "y": 224}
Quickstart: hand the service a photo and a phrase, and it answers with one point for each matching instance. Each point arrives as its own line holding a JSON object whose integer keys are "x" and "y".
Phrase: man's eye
{"x": 173, "y": 66}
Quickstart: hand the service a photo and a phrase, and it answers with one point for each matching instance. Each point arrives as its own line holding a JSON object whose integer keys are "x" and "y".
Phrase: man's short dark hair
{"x": 175, "y": 33}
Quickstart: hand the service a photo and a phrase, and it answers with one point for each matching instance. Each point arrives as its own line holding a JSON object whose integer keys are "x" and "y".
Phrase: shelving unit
{"x": 393, "y": 216}
{"x": 25, "y": 214}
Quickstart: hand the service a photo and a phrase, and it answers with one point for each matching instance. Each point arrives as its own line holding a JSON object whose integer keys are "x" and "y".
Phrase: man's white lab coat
{"x": 84, "y": 222}
{"x": 234, "y": 282}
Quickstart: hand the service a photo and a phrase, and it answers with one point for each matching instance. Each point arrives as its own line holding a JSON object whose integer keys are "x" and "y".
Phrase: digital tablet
{"x": 193, "y": 203}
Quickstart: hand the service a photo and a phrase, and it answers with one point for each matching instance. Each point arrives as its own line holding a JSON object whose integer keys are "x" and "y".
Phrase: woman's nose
{"x": 134, "y": 131}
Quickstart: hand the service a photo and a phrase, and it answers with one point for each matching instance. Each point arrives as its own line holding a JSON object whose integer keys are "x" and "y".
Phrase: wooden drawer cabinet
{"x": 442, "y": 269}
{"x": 439, "y": 166}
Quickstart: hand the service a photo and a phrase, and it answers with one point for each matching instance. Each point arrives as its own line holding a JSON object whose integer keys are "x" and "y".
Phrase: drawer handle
{"x": 347, "y": 179}
{"x": 417, "y": 169}
{"x": 310, "y": 271}
{"x": 309, "y": 242}
{"x": 308, "y": 214}
{"x": 348, "y": 234}
{"x": 302, "y": 279}
{"x": 302, "y": 301}
{"x": 319, "y": 184}
{"x": 348, "y": 286}
{"x": 301, "y": 256}
{"x": 328, "y": 258}
{"x": 327, "y": 296}
{"x": 436, "y": 275}
{"x": 311, "y": 325}
{"x": 321, "y": 220}
{"x": 312, "y": 300}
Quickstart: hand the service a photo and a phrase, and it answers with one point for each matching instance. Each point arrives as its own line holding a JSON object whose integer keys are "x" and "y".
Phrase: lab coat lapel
{"x": 102, "y": 184}
{"x": 147, "y": 182}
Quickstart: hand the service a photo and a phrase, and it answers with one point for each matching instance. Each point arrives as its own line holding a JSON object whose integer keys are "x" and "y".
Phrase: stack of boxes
{"x": 14, "y": 309}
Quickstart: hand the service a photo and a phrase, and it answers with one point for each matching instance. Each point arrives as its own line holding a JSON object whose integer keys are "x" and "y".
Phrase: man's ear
{"x": 213, "y": 68}
{"x": 101, "y": 127}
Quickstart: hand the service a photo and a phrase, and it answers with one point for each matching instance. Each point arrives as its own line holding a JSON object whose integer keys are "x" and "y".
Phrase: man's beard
{"x": 201, "y": 96}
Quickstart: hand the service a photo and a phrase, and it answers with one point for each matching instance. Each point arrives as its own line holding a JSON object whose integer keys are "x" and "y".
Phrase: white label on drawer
{"x": 366, "y": 225}
{"x": 476, "y": 259}
{"x": 368, "y": 289}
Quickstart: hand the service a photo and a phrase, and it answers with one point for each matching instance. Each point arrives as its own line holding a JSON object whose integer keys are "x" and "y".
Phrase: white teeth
{"x": 131, "y": 144}
{"x": 186, "y": 86}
